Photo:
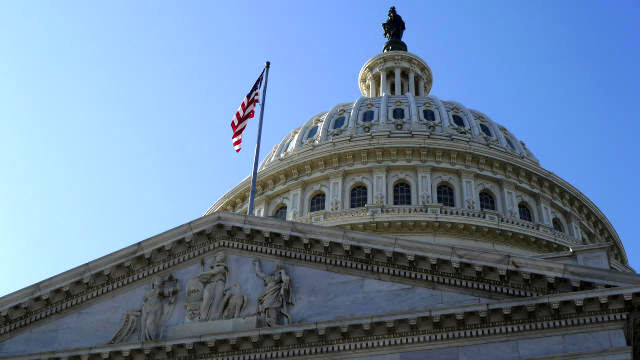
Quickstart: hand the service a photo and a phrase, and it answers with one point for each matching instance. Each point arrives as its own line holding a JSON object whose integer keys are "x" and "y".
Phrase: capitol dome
{"x": 402, "y": 162}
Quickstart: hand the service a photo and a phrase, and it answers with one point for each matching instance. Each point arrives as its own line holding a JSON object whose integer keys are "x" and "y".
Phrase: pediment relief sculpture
{"x": 277, "y": 296}
{"x": 208, "y": 296}
{"x": 212, "y": 303}
{"x": 157, "y": 307}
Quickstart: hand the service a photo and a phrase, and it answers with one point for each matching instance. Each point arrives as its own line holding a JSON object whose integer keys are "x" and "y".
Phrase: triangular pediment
{"x": 314, "y": 295}
{"x": 336, "y": 274}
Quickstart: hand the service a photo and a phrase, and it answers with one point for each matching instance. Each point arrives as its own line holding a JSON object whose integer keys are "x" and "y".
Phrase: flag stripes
{"x": 244, "y": 113}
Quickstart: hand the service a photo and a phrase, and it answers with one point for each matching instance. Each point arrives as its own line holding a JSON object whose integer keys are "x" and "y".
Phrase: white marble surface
{"x": 320, "y": 296}
{"x": 586, "y": 345}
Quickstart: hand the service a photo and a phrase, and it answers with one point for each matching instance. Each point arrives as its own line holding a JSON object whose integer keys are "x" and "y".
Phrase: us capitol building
{"x": 395, "y": 226}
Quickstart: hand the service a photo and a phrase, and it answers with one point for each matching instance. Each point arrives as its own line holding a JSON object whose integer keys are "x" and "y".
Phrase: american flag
{"x": 244, "y": 113}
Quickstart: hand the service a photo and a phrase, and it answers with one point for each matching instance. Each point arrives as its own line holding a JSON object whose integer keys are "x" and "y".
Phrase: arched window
{"x": 525, "y": 213}
{"x": 338, "y": 123}
{"x": 445, "y": 195}
{"x": 358, "y": 196}
{"x": 281, "y": 213}
{"x": 398, "y": 113}
{"x": 317, "y": 202}
{"x": 458, "y": 120}
{"x": 401, "y": 194}
{"x": 367, "y": 116}
{"x": 485, "y": 129}
{"x": 288, "y": 145}
{"x": 557, "y": 225}
{"x": 509, "y": 142}
{"x": 429, "y": 115}
{"x": 312, "y": 132}
{"x": 486, "y": 201}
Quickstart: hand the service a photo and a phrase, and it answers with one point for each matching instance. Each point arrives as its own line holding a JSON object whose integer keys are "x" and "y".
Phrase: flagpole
{"x": 254, "y": 175}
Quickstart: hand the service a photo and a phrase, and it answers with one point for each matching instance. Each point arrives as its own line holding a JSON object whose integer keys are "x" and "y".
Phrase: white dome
{"x": 424, "y": 117}
{"x": 400, "y": 161}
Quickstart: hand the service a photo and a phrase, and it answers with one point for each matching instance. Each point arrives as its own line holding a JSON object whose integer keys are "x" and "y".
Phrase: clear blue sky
{"x": 114, "y": 115}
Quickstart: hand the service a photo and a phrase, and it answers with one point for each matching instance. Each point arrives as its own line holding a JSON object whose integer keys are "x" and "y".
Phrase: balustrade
{"x": 437, "y": 212}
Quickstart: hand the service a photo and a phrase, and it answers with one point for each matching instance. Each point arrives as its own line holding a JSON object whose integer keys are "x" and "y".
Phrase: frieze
{"x": 212, "y": 304}
{"x": 558, "y": 314}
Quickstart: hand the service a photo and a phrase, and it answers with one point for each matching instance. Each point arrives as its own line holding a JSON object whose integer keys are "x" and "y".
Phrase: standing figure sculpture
{"x": 158, "y": 304}
{"x": 277, "y": 295}
{"x": 393, "y": 30}
{"x": 235, "y": 302}
{"x": 215, "y": 281}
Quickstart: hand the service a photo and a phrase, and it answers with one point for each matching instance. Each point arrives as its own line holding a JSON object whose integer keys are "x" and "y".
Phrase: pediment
{"x": 229, "y": 292}
{"x": 374, "y": 275}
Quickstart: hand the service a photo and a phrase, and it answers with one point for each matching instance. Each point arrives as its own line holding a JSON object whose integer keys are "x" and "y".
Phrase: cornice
{"x": 300, "y": 243}
{"x": 498, "y": 321}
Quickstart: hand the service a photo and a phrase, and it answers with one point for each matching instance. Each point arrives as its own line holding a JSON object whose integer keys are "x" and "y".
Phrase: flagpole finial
{"x": 268, "y": 64}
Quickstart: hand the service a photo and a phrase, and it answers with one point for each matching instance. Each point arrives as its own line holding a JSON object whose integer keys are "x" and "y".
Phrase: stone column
{"x": 383, "y": 82}
{"x": 398, "y": 89}
{"x": 424, "y": 186}
{"x": 544, "y": 209}
{"x": 510, "y": 207}
{"x": 260, "y": 208}
{"x": 296, "y": 204}
{"x": 412, "y": 85}
{"x": 420, "y": 87}
{"x": 468, "y": 190}
{"x": 372, "y": 86}
{"x": 574, "y": 226}
{"x": 335, "y": 192}
{"x": 379, "y": 186}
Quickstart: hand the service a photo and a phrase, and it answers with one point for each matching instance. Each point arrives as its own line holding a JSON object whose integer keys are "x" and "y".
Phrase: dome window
{"x": 398, "y": 113}
{"x": 338, "y": 123}
{"x": 557, "y": 225}
{"x": 445, "y": 195}
{"x": 312, "y": 132}
{"x": 429, "y": 115}
{"x": 402, "y": 194}
{"x": 281, "y": 213}
{"x": 509, "y": 142}
{"x": 485, "y": 129}
{"x": 287, "y": 147}
{"x": 317, "y": 202}
{"x": 525, "y": 213}
{"x": 358, "y": 196}
{"x": 367, "y": 116}
{"x": 486, "y": 201}
{"x": 458, "y": 120}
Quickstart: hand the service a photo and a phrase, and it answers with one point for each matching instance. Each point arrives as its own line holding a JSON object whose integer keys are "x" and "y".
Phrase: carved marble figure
{"x": 235, "y": 302}
{"x": 209, "y": 299}
{"x": 277, "y": 296}
{"x": 215, "y": 281}
{"x": 157, "y": 306}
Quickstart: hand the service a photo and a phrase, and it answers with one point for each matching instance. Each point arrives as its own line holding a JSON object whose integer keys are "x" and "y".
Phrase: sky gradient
{"x": 114, "y": 115}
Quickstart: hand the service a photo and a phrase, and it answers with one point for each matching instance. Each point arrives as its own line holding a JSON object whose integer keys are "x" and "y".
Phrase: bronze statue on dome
{"x": 393, "y": 30}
